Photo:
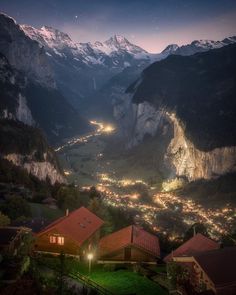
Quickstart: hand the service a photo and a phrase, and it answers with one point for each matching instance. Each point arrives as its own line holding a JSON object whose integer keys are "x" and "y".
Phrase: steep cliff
{"x": 28, "y": 89}
{"x": 13, "y": 104}
{"x": 194, "y": 99}
{"x": 23, "y": 54}
{"x": 112, "y": 93}
{"x": 26, "y": 147}
{"x": 193, "y": 163}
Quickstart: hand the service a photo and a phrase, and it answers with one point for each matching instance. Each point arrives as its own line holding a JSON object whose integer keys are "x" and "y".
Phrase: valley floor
{"x": 131, "y": 181}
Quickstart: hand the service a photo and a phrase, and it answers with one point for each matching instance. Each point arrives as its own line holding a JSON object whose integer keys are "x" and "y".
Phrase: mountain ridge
{"x": 27, "y": 81}
{"x": 190, "y": 99}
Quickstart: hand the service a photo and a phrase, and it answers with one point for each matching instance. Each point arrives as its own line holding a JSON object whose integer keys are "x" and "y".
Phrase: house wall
{"x": 42, "y": 243}
{"x": 136, "y": 255}
{"x": 91, "y": 246}
{"x": 198, "y": 278}
{"x": 139, "y": 255}
{"x": 70, "y": 246}
{"x": 202, "y": 279}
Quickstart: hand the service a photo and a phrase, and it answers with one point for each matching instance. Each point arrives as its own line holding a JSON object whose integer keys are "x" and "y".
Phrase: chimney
{"x": 67, "y": 212}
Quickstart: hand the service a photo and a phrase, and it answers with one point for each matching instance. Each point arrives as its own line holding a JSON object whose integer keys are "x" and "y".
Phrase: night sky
{"x": 151, "y": 24}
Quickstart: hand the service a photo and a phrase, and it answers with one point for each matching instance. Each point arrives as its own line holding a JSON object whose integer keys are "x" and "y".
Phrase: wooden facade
{"x": 76, "y": 234}
{"x": 213, "y": 270}
{"x": 129, "y": 254}
{"x": 197, "y": 277}
{"x": 55, "y": 242}
{"x": 128, "y": 245}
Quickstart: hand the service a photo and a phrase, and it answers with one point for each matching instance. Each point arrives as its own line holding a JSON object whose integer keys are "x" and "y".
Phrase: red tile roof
{"x": 220, "y": 267}
{"x": 196, "y": 244}
{"x": 79, "y": 225}
{"x": 131, "y": 235}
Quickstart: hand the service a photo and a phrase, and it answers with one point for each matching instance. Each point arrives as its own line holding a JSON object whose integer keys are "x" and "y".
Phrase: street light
{"x": 90, "y": 257}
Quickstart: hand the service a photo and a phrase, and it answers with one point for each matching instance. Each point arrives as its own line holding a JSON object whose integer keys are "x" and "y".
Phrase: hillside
{"x": 200, "y": 89}
{"x": 29, "y": 91}
{"x": 189, "y": 99}
{"x": 26, "y": 147}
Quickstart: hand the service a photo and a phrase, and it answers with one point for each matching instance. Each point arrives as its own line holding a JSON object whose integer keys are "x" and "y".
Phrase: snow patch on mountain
{"x": 197, "y": 46}
{"x": 96, "y": 53}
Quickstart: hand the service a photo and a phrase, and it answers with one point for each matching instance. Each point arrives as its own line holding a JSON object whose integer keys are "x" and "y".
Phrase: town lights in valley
{"x": 108, "y": 129}
{"x": 102, "y": 128}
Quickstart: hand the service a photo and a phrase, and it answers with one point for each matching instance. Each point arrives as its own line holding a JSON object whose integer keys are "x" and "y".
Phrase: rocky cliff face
{"x": 13, "y": 103}
{"x": 189, "y": 161}
{"x": 114, "y": 90}
{"x": 28, "y": 89}
{"x": 184, "y": 159}
{"x": 23, "y": 112}
{"x": 23, "y": 54}
{"x": 42, "y": 170}
{"x": 174, "y": 98}
{"x": 26, "y": 147}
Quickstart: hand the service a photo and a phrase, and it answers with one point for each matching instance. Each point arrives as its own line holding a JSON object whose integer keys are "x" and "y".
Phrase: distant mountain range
{"x": 113, "y": 92}
{"x": 83, "y": 68}
{"x": 48, "y": 81}
{"x": 83, "y": 71}
{"x": 197, "y": 46}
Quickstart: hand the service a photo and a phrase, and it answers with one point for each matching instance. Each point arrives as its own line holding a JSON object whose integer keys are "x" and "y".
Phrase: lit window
{"x": 60, "y": 240}
{"x": 53, "y": 240}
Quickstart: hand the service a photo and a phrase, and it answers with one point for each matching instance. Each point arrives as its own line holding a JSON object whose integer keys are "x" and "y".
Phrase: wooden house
{"x": 197, "y": 244}
{"x": 128, "y": 245}
{"x": 213, "y": 271}
{"x": 76, "y": 234}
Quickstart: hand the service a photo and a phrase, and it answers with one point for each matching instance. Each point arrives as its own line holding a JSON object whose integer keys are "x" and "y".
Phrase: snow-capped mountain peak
{"x": 118, "y": 42}
{"x": 49, "y": 37}
{"x": 116, "y": 52}
{"x": 207, "y": 44}
{"x": 229, "y": 40}
{"x": 170, "y": 48}
{"x": 198, "y": 46}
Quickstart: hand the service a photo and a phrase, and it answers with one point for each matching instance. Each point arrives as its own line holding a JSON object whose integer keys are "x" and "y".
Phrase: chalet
{"x": 214, "y": 271}
{"x": 76, "y": 234}
{"x": 128, "y": 245}
{"x": 11, "y": 239}
{"x": 197, "y": 244}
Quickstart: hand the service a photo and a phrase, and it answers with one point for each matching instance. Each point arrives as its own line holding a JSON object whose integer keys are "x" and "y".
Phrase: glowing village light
{"x": 66, "y": 172}
{"x": 90, "y": 257}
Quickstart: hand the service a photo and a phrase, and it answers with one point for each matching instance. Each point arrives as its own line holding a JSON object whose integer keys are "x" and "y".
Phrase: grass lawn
{"x": 126, "y": 282}
{"x": 122, "y": 281}
{"x": 43, "y": 211}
